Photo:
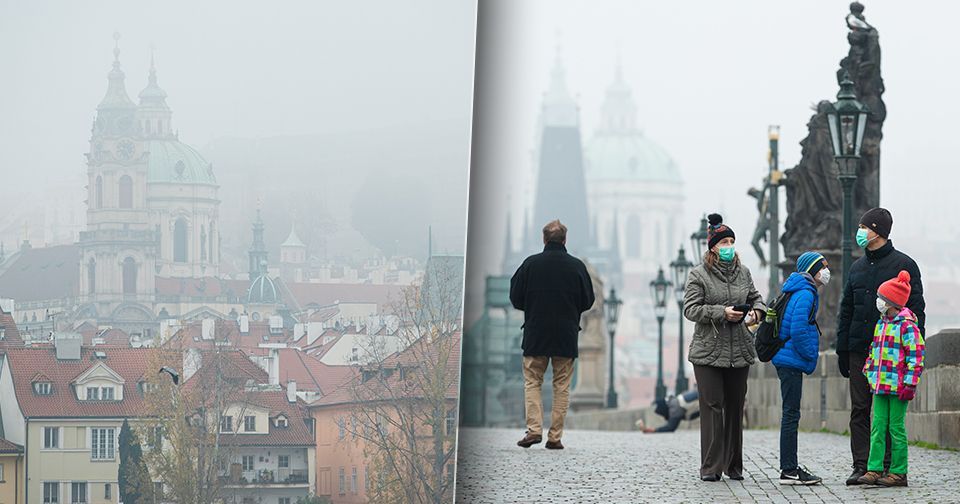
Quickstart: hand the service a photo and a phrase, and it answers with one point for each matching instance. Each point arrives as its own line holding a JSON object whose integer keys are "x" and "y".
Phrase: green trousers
{"x": 888, "y": 413}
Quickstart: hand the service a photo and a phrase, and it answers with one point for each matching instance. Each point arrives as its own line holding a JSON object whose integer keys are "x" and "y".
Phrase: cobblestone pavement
{"x": 634, "y": 467}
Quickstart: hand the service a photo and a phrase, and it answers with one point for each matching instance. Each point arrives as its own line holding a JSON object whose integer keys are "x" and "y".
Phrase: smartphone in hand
{"x": 744, "y": 309}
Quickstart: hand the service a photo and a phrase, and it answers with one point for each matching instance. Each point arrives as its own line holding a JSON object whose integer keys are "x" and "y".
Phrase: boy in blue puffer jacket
{"x": 798, "y": 356}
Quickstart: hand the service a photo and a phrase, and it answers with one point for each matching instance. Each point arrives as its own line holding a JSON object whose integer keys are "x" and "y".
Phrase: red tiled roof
{"x": 234, "y": 366}
{"x": 9, "y": 447}
{"x": 191, "y": 335}
{"x": 26, "y": 363}
{"x": 329, "y": 294}
{"x": 309, "y": 373}
{"x": 11, "y": 335}
{"x": 42, "y": 273}
{"x": 296, "y": 434}
{"x": 407, "y": 357}
{"x": 206, "y": 287}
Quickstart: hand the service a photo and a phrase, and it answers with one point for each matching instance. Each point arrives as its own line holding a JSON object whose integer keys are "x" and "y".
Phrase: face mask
{"x": 862, "y": 239}
{"x": 882, "y": 307}
{"x": 727, "y": 253}
{"x": 824, "y": 276}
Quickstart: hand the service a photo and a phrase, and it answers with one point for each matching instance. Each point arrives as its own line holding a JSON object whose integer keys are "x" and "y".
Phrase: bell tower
{"x": 119, "y": 245}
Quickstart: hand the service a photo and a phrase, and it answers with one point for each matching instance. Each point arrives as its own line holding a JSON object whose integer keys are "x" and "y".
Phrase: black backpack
{"x": 768, "y": 341}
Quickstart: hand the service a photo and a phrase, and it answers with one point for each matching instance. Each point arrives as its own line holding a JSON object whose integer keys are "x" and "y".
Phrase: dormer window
{"x": 93, "y": 394}
{"x": 43, "y": 388}
{"x": 282, "y": 422}
{"x": 100, "y": 394}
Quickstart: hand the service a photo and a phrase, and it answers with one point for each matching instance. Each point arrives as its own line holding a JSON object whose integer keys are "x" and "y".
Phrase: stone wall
{"x": 933, "y": 416}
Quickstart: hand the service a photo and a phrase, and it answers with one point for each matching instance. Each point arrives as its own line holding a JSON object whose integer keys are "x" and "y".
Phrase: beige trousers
{"x": 533, "y": 370}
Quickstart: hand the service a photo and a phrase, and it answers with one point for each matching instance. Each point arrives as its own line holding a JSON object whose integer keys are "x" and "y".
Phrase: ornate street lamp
{"x": 612, "y": 305}
{"x": 681, "y": 267}
{"x": 698, "y": 241}
{"x": 658, "y": 291}
{"x": 847, "y": 119}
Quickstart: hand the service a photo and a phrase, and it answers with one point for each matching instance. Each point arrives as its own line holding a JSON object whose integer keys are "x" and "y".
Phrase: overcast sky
{"x": 708, "y": 78}
{"x": 232, "y": 69}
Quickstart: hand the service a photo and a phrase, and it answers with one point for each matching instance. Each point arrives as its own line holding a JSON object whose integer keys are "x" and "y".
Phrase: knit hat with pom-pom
{"x": 896, "y": 291}
{"x": 717, "y": 230}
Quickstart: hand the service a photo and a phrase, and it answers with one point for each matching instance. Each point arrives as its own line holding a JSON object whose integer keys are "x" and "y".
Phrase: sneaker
{"x": 855, "y": 476}
{"x": 870, "y": 478}
{"x": 798, "y": 476}
{"x": 893, "y": 480}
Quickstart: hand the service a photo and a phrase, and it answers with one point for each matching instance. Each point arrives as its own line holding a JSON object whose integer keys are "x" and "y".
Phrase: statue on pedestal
{"x": 814, "y": 194}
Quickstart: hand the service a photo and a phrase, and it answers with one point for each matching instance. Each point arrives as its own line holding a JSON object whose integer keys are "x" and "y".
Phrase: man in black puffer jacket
{"x": 552, "y": 288}
{"x": 858, "y": 318}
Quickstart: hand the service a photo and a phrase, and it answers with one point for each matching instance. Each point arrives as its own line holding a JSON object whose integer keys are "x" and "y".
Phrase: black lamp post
{"x": 612, "y": 305}
{"x": 658, "y": 291}
{"x": 698, "y": 240}
{"x": 847, "y": 119}
{"x": 681, "y": 268}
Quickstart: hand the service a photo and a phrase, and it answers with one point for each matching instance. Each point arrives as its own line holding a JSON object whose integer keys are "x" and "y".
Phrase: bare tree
{"x": 406, "y": 403}
{"x": 189, "y": 446}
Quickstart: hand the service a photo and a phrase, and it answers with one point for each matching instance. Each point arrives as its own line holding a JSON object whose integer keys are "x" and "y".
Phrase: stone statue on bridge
{"x": 814, "y": 194}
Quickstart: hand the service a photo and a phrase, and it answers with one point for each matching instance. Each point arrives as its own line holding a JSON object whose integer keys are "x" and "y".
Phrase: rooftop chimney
{"x": 292, "y": 391}
{"x": 67, "y": 345}
{"x": 274, "y": 371}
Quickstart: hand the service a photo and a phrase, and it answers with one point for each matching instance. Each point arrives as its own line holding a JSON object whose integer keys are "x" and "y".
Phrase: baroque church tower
{"x": 119, "y": 247}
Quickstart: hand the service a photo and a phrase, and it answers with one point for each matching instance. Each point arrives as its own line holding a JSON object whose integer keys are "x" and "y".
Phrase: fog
{"x": 708, "y": 78}
{"x": 343, "y": 116}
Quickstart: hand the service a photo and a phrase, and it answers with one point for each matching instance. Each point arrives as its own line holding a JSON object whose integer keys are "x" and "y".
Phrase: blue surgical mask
{"x": 727, "y": 253}
{"x": 862, "y": 239}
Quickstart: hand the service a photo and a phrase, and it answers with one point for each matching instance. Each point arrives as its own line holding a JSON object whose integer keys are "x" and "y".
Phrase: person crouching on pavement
{"x": 674, "y": 410}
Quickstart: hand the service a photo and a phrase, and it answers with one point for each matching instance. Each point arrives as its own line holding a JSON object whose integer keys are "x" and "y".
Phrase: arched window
{"x": 180, "y": 240}
{"x": 126, "y": 192}
{"x": 212, "y": 257}
{"x": 129, "y": 276}
{"x": 633, "y": 236}
{"x": 148, "y": 123}
{"x": 159, "y": 127}
{"x": 99, "y": 190}
{"x": 91, "y": 276}
{"x": 203, "y": 243}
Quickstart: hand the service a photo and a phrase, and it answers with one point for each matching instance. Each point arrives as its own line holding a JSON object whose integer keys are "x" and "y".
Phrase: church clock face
{"x": 125, "y": 149}
{"x": 124, "y": 124}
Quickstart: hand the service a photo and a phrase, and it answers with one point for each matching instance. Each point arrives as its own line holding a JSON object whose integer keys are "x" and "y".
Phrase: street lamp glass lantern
{"x": 847, "y": 119}
{"x": 613, "y": 309}
{"x": 681, "y": 269}
{"x": 698, "y": 240}
{"x": 658, "y": 289}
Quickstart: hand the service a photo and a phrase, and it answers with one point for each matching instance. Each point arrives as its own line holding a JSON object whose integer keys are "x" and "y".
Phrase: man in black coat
{"x": 858, "y": 319}
{"x": 552, "y": 289}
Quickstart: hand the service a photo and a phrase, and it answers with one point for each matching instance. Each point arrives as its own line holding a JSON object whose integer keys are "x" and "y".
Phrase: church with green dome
{"x": 152, "y": 205}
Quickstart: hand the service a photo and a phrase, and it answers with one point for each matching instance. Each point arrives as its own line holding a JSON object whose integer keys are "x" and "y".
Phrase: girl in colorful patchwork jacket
{"x": 893, "y": 370}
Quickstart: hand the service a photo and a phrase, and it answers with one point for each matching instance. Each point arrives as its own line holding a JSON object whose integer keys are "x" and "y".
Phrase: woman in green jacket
{"x": 722, "y": 301}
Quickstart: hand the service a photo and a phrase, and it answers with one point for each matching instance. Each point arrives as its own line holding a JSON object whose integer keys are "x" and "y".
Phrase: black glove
{"x": 843, "y": 362}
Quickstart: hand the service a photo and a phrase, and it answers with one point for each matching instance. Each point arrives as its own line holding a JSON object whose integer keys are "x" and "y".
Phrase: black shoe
{"x": 711, "y": 477}
{"x": 855, "y": 476}
{"x": 798, "y": 476}
{"x": 735, "y": 477}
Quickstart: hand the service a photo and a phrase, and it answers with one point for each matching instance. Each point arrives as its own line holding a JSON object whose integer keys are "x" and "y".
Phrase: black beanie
{"x": 879, "y": 220}
{"x": 717, "y": 230}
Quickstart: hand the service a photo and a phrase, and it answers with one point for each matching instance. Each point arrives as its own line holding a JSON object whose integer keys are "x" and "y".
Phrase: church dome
{"x": 172, "y": 161}
{"x": 619, "y": 151}
{"x": 628, "y": 156}
{"x": 263, "y": 290}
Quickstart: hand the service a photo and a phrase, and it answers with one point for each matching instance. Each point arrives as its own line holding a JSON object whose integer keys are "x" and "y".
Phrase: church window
{"x": 203, "y": 243}
{"x": 159, "y": 126}
{"x": 99, "y": 195}
{"x": 180, "y": 240}
{"x": 129, "y": 276}
{"x": 633, "y": 236}
{"x": 126, "y": 192}
{"x": 148, "y": 123}
{"x": 91, "y": 276}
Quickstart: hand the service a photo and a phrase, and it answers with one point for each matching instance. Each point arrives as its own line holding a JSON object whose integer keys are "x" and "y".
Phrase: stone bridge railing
{"x": 933, "y": 416}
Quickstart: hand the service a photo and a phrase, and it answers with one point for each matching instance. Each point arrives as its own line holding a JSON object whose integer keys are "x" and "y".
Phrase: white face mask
{"x": 824, "y": 276}
{"x": 882, "y": 306}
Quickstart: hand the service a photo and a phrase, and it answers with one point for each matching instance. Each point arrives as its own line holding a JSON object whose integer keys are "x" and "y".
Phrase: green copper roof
{"x": 174, "y": 162}
{"x": 628, "y": 155}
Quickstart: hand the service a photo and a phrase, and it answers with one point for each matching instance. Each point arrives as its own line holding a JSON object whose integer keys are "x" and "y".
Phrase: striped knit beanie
{"x": 811, "y": 262}
{"x": 717, "y": 230}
